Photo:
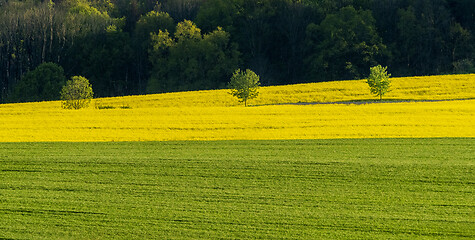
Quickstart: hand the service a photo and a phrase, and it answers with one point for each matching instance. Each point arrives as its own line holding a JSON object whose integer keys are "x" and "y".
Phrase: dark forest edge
{"x": 127, "y": 47}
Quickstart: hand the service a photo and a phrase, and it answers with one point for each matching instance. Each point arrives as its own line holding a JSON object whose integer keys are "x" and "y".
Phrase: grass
{"x": 304, "y": 189}
{"x": 411, "y": 185}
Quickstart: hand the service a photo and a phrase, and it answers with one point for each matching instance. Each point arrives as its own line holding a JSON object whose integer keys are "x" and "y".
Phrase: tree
{"x": 152, "y": 22}
{"x": 77, "y": 93}
{"x": 343, "y": 46}
{"x": 426, "y": 42}
{"x": 32, "y": 33}
{"x": 269, "y": 34}
{"x": 378, "y": 81}
{"x": 41, "y": 84}
{"x": 105, "y": 58}
{"x": 191, "y": 61}
{"x": 181, "y": 9}
{"x": 244, "y": 85}
{"x": 27, "y": 39}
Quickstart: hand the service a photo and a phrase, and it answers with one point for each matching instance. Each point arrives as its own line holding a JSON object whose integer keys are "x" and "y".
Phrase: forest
{"x": 129, "y": 47}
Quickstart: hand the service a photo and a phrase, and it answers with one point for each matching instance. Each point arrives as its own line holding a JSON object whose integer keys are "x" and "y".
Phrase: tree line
{"x": 129, "y": 47}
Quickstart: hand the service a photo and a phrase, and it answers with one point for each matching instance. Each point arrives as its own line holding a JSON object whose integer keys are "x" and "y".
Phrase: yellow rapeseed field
{"x": 215, "y": 115}
{"x": 412, "y": 88}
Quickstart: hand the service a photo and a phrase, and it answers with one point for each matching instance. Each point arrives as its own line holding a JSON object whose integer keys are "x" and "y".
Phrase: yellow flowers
{"x": 428, "y": 119}
{"x": 416, "y": 88}
{"x": 210, "y": 115}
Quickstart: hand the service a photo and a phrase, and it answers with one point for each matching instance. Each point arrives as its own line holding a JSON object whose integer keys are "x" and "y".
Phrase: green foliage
{"x": 378, "y": 81}
{"x": 302, "y": 189}
{"x": 190, "y": 60}
{"x": 181, "y": 10}
{"x": 464, "y": 66}
{"x": 150, "y": 23}
{"x": 214, "y": 13}
{"x": 270, "y": 34}
{"x": 41, "y": 84}
{"x": 105, "y": 60}
{"x": 344, "y": 45}
{"x": 77, "y": 93}
{"x": 284, "y": 41}
{"x": 106, "y": 6}
{"x": 186, "y": 31}
{"x": 427, "y": 25}
{"x": 82, "y": 7}
{"x": 244, "y": 85}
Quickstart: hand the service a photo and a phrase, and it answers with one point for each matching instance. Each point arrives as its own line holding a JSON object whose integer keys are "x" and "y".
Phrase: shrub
{"x": 77, "y": 93}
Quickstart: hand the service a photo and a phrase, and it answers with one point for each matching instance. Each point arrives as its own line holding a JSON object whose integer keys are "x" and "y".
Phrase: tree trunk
{"x": 51, "y": 32}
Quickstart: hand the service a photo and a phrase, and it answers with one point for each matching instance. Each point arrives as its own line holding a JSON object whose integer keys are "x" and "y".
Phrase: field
{"x": 426, "y": 119}
{"x": 215, "y": 115}
{"x": 306, "y": 161}
{"x": 307, "y": 189}
{"x": 448, "y": 87}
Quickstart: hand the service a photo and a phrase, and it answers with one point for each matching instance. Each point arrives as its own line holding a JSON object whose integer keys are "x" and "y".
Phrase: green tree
{"x": 269, "y": 33}
{"x": 150, "y": 23}
{"x": 344, "y": 45}
{"x": 181, "y": 10}
{"x": 31, "y": 33}
{"x": 214, "y": 13}
{"x": 461, "y": 46}
{"x": 82, "y": 7}
{"x": 428, "y": 41}
{"x": 378, "y": 81}
{"x": 190, "y": 60}
{"x": 105, "y": 60}
{"x": 41, "y": 84}
{"x": 77, "y": 93}
{"x": 244, "y": 85}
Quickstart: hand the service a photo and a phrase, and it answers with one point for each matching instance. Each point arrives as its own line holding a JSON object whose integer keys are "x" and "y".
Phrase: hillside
{"x": 117, "y": 44}
{"x": 215, "y": 115}
{"x": 444, "y": 87}
{"x": 136, "y": 167}
{"x": 412, "y": 88}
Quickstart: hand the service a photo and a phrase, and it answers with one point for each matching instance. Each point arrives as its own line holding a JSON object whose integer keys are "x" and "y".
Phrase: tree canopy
{"x": 344, "y": 45}
{"x": 137, "y": 46}
{"x": 190, "y": 60}
{"x": 41, "y": 84}
{"x": 244, "y": 85}
{"x": 77, "y": 93}
{"x": 378, "y": 81}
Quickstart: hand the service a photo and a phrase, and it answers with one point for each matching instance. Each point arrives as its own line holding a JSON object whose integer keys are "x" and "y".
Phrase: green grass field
{"x": 308, "y": 189}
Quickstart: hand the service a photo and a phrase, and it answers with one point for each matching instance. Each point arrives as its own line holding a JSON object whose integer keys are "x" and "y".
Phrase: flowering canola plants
{"x": 213, "y": 115}
{"x": 390, "y": 120}
{"x": 409, "y": 88}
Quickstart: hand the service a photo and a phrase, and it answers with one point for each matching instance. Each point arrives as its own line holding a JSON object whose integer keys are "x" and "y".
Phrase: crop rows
{"x": 304, "y": 189}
